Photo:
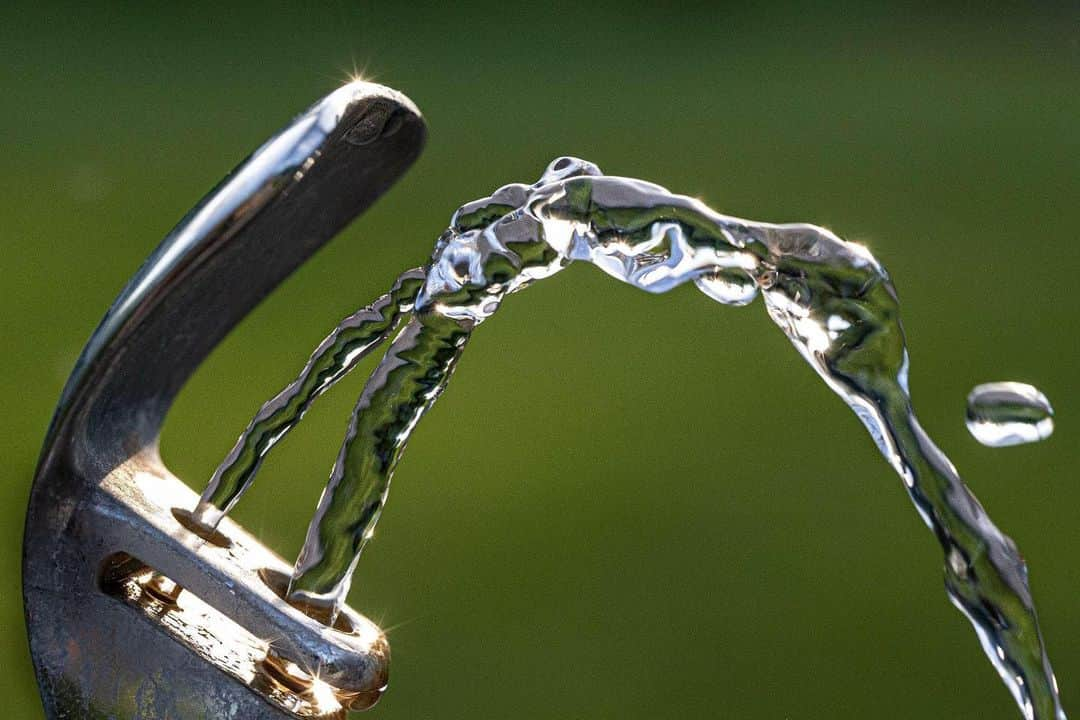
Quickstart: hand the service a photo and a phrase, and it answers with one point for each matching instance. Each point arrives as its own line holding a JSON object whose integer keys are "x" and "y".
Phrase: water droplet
{"x": 1009, "y": 413}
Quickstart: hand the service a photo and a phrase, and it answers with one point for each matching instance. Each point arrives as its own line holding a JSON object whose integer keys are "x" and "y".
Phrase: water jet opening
{"x": 209, "y": 534}
{"x": 279, "y": 583}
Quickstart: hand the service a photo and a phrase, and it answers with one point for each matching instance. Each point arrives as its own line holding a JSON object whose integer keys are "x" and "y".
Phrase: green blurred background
{"x": 624, "y": 505}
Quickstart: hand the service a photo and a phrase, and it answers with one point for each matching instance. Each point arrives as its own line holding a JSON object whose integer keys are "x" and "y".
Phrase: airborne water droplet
{"x": 1008, "y": 413}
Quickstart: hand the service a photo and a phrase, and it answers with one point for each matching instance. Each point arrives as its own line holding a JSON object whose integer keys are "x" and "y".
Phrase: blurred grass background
{"x": 624, "y": 505}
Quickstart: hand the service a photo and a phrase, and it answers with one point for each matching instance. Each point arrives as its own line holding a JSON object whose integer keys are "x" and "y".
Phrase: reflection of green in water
{"x": 405, "y": 384}
{"x": 844, "y": 318}
{"x": 339, "y": 353}
{"x": 831, "y": 298}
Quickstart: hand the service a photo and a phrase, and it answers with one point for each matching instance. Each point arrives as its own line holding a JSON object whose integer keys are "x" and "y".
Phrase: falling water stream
{"x": 832, "y": 299}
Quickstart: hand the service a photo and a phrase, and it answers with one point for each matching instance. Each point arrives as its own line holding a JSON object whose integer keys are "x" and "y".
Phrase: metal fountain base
{"x": 109, "y": 597}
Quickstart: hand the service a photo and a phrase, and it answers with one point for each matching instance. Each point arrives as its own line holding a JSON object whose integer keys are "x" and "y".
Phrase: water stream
{"x": 831, "y": 298}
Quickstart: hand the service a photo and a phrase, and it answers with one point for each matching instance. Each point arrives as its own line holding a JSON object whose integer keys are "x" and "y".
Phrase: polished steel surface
{"x": 107, "y": 540}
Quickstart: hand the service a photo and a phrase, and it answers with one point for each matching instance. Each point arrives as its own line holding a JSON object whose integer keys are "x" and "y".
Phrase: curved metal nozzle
{"x": 131, "y": 611}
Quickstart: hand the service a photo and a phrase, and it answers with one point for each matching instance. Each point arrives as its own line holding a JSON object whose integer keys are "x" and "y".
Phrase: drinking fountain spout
{"x": 132, "y": 610}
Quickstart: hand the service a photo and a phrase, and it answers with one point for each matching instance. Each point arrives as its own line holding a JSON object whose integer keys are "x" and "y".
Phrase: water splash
{"x": 831, "y": 298}
{"x": 1002, "y": 414}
